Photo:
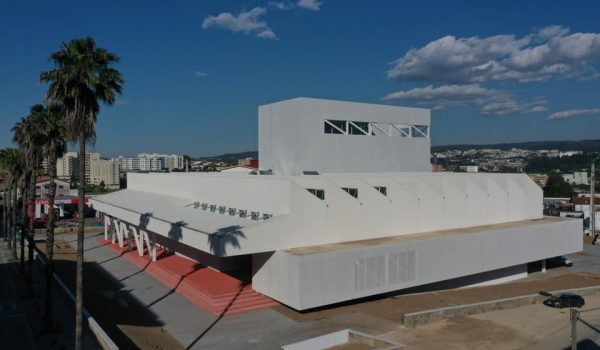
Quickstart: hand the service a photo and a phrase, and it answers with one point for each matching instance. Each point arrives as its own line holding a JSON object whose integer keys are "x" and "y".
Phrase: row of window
{"x": 320, "y": 193}
{"x": 346, "y": 127}
{"x": 242, "y": 213}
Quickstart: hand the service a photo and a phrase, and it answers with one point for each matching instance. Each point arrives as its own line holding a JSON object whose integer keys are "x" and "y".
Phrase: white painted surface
{"x": 292, "y": 139}
{"x": 352, "y": 271}
{"x": 414, "y": 202}
{"x": 322, "y": 342}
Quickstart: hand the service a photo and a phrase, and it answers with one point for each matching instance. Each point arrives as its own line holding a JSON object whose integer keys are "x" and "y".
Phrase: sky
{"x": 196, "y": 71}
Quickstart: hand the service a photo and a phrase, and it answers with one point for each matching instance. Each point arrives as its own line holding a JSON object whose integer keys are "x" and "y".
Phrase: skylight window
{"x": 351, "y": 191}
{"x": 317, "y": 193}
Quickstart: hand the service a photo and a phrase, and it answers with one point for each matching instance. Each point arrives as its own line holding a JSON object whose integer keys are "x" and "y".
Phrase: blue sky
{"x": 195, "y": 71}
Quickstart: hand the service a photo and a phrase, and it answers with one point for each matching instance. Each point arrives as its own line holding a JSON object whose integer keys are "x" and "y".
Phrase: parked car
{"x": 560, "y": 261}
{"x": 565, "y": 300}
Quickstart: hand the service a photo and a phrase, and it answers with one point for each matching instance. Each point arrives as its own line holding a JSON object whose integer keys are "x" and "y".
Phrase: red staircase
{"x": 214, "y": 291}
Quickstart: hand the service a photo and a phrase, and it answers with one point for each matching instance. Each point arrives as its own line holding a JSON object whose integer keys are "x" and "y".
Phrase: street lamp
{"x": 573, "y": 302}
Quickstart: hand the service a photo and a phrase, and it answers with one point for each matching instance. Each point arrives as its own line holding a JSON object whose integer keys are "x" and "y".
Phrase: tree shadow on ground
{"x": 223, "y": 237}
{"x": 221, "y": 315}
{"x": 195, "y": 268}
{"x": 109, "y": 304}
{"x": 585, "y": 344}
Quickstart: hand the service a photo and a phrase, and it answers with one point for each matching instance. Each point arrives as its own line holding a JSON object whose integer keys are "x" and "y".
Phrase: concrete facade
{"x": 370, "y": 217}
{"x": 292, "y": 138}
{"x": 305, "y": 278}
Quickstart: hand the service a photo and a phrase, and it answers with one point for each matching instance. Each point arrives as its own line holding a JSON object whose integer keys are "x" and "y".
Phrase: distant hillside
{"x": 581, "y": 145}
{"x": 230, "y": 157}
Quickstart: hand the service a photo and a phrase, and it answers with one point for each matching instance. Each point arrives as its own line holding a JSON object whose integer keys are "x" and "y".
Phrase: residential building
{"x": 540, "y": 179}
{"x": 577, "y": 178}
{"x": 469, "y": 168}
{"x": 43, "y": 183}
{"x": 151, "y": 162}
{"x": 105, "y": 172}
{"x": 68, "y": 164}
{"x": 248, "y": 162}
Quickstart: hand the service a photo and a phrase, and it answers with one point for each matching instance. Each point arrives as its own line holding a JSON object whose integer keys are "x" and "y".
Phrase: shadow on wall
{"x": 144, "y": 220}
{"x": 219, "y": 240}
{"x": 176, "y": 232}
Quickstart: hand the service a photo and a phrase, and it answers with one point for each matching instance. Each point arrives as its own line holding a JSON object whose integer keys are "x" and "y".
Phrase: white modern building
{"x": 314, "y": 135}
{"x": 374, "y": 220}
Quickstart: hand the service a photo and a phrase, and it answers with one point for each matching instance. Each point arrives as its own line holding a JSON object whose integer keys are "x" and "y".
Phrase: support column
{"x": 105, "y": 227}
{"x": 543, "y": 265}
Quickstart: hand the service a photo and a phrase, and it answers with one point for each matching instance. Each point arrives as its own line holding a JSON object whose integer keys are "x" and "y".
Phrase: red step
{"x": 214, "y": 291}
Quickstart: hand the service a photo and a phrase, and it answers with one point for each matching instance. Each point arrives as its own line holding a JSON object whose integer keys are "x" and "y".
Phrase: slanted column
{"x": 105, "y": 227}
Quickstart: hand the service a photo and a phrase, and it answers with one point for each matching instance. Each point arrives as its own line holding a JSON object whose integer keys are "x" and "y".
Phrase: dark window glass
{"x": 351, "y": 191}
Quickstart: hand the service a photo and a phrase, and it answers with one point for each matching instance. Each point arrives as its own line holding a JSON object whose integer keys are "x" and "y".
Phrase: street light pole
{"x": 592, "y": 203}
{"x": 574, "y": 319}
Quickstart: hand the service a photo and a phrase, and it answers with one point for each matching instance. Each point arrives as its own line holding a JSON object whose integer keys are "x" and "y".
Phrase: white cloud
{"x": 281, "y": 5}
{"x": 490, "y": 101}
{"x": 245, "y": 22}
{"x": 199, "y": 74}
{"x": 573, "y": 113}
{"x": 313, "y": 5}
{"x": 548, "y": 53}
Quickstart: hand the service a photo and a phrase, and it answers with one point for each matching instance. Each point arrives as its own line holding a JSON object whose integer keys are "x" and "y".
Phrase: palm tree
{"x": 83, "y": 78}
{"x": 54, "y": 146}
{"x": 6, "y": 194}
{"x": 4, "y": 174}
{"x": 28, "y": 135}
{"x": 12, "y": 161}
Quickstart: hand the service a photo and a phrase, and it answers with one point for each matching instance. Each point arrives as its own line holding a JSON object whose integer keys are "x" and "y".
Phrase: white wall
{"x": 292, "y": 138}
{"x": 306, "y": 280}
{"x": 414, "y": 203}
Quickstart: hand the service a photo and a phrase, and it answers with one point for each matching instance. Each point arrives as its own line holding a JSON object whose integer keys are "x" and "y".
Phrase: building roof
{"x": 171, "y": 209}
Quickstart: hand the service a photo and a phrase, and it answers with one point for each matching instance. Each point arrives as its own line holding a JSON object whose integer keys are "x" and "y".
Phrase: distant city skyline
{"x": 196, "y": 72}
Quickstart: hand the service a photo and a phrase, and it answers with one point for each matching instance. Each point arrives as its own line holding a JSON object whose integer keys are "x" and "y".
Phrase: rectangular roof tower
{"x": 307, "y": 134}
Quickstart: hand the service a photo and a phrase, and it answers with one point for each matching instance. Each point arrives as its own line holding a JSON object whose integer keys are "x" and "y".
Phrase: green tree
{"x": 53, "y": 130}
{"x": 12, "y": 161}
{"x": 81, "y": 80}
{"x": 7, "y": 159}
{"x": 557, "y": 187}
{"x": 28, "y": 135}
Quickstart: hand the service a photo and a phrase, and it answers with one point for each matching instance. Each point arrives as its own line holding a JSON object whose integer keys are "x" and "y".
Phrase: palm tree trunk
{"x": 31, "y": 217}
{"x": 6, "y": 212}
{"x": 22, "y": 224}
{"x": 4, "y": 193}
{"x": 79, "y": 278}
{"x": 48, "y": 319}
{"x": 13, "y": 220}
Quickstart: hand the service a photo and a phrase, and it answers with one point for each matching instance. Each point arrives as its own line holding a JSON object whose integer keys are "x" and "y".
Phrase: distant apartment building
{"x": 569, "y": 153}
{"x": 105, "y": 172}
{"x": 248, "y": 162}
{"x": 68, "y": 164}
{"x": 577, "y": 178}
{"x": 469, "y": 168}
{"x": 437, "y": 168}
{"x": 43, "y": 184}
{"x": 540, "y": 179}
{"x": 150, "y": 162}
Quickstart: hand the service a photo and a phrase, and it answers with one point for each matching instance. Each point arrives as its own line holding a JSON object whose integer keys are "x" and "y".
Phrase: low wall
{"x": 420, "y": 318}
